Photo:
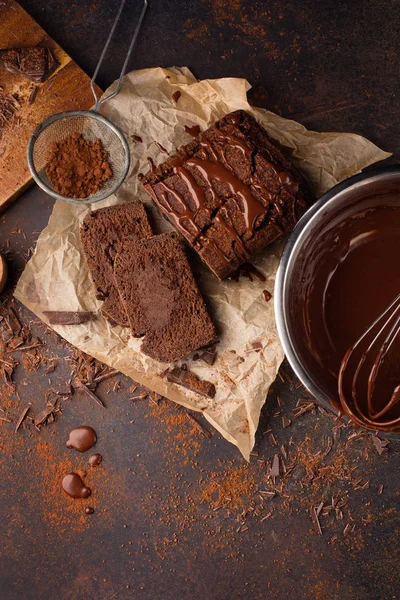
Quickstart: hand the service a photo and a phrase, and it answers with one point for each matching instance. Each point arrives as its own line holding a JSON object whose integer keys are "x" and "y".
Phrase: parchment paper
{"x": 56, "y": 278}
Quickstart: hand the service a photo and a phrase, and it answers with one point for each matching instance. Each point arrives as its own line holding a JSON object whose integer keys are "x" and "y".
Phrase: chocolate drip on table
{"x": 267, "y": 295}
{"x": 95, "y": 460}
{"x": 82, "y": 438}
{"x": 73, "y": 485}
{"x": 254, "y": 211}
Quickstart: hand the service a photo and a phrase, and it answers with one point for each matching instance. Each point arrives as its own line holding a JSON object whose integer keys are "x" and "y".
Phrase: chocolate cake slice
{"x": 231, "y": 192}
{"x": 35, "y": 63}
{"x": 102, "y": 232}
{"x": 161, "y": 297}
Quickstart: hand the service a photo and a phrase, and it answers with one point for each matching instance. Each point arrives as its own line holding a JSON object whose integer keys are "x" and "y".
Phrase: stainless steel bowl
{"x": 345, "y": 195}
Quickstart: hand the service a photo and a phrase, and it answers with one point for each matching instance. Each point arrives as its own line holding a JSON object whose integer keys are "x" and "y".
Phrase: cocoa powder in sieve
{"x": 77, "y": 167}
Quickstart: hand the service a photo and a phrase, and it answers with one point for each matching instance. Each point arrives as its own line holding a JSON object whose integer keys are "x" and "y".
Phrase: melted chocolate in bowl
{"x": 347, "y": 274}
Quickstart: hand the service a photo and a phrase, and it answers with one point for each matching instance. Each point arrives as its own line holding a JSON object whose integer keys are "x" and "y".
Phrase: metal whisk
{"x": 91, "y": 125}
{"x": 362, "y": 366}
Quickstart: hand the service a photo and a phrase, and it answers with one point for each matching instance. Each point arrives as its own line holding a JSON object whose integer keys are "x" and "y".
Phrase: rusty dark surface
{"x": 154, "y": 534}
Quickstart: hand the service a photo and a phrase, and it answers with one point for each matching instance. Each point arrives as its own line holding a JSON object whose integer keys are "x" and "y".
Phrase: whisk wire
{"x": 388, "y": 320}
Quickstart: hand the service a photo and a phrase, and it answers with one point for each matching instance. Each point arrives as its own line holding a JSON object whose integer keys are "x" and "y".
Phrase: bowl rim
{"x": 281, "y": 283}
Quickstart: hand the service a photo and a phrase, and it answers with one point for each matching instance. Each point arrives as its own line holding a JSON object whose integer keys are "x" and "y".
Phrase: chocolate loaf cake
{"x": 231, "y": 192}
{"x": 101, "y": 233}
{"x": 161, "y": 297}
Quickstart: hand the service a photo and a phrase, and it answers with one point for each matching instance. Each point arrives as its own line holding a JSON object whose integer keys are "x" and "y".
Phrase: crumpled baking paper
{"x": 57, "y": 278}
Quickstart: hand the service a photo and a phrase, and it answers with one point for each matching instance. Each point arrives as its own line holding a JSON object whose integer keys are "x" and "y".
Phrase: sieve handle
{"x": 110, "y": 36}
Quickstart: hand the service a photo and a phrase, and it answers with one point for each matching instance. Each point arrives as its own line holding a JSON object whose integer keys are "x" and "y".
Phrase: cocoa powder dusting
{"x": 77, "y": 167}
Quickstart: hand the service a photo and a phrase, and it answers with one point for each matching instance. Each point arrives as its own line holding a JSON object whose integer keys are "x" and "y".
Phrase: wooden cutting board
{"x": 68, "y": 88}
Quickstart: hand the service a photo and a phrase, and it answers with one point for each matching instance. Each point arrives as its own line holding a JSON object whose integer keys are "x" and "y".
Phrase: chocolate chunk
{"x": 66, "y": 317}
{"x": 208, "y": 356}
{"x": 35, "y": 63}
{"x": 190, "y": 381}
{"x": 33, "y": 93}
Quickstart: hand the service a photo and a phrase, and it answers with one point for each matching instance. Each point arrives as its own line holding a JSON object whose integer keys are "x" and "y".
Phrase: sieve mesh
{"x": 92, "y": 127}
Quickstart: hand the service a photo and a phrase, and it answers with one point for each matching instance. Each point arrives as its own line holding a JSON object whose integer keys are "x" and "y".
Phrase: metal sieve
{"x": 91, "y": 125}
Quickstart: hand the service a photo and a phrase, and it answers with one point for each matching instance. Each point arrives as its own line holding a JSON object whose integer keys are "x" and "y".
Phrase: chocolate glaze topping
{"x": 352, "y": 277}
{"x": 248, "y": 270}
{"x": 194, "y": 130}
{"x": 253, "y": 209}
{"x": 225, "y": 189}
{"x": 151, "y": 163}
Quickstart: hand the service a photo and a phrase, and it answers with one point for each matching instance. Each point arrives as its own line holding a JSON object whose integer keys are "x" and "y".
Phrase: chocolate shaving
{"x": 42, "y": 417}
{"x": 204, "y": 432}
{"x": 14, "y": 343}
{"x": 254, "y": 347}
{"x": 8, "y": 107}
{"x": 155, "y": 398}
{"x": 81, "y": 386}
{"x": 380, "y": 445}
{"x": 52, "y": 367}
{"x": 208, "y": 356}
{"x": 286, "y": 422}
{"x": 189, "y": 380}
{"x": 275, "y": 470}
{"x": 33, "y": 94}
{"x": 24, "y": 348}
{"x": 62, "y": 389}
{"x": 22, "y": 417}
{"x": 272, "y": 440}
{"x": 316, "y": 519}
{"x": 67, "y": 317}
{"x": 108, "y": 375}
{"x": 35, "y": 63}
{"x": 266, "y": 517}
{"x": 140, "y": 396}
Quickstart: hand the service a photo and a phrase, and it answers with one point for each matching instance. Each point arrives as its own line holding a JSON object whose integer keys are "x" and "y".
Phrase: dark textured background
{"x": 332, "y": 66}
